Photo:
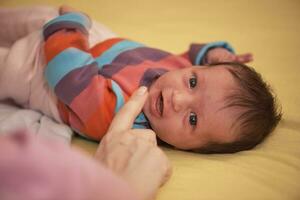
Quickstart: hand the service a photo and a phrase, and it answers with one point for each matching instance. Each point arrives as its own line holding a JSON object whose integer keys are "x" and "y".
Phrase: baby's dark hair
{"x": 259, "y": 115}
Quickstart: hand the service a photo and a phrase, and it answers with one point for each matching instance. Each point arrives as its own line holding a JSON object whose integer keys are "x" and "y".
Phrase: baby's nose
{"x": 181, "y": 100}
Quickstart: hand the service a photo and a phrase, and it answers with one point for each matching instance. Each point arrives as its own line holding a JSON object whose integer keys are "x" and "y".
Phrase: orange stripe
{"x": 63, "y": 112}
{"x": 61, "y": 40}
{"x": 99, "y": 48}
{"x": 99, "y": 121}
{"x": 95, "y": 107}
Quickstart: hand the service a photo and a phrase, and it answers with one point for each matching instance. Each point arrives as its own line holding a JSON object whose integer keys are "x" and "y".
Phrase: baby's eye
{"x": 193, "y": 81}
{"x": 193, "y": 119}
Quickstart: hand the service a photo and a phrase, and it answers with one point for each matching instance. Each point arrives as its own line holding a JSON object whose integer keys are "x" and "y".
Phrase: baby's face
{"x": 186, "y": 107}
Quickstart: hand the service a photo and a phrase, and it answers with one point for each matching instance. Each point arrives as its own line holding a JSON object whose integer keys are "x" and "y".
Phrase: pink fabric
{"x": 34, "y": 168}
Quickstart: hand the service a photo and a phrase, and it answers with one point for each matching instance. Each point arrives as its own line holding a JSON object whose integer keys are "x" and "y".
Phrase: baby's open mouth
{"x": 160, "y": 104}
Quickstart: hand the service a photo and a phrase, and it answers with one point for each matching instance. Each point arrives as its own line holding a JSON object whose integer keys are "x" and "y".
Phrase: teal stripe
{"x": 118, "y": 92}
{"x": 140, "y": 118}
{"x": 71, "y": 17}
{"x": 138, "y": 126}
{"x": 108, "y": 56}
{"x": 65, "y": 62}
{"x": 204, "y": 50}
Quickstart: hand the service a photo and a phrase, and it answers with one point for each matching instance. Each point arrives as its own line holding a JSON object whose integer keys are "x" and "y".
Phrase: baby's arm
{"x": 89, "y": 99}
{"x": 215, "y": 52}
{"x": 219, "y": 54}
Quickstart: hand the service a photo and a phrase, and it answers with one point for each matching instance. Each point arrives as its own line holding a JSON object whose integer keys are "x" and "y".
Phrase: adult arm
{"x": 37, "y": 168}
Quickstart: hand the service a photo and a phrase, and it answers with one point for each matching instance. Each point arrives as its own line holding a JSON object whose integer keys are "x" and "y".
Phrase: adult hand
{"x": 133, "y": 153}
{"x": 219, "y": 54}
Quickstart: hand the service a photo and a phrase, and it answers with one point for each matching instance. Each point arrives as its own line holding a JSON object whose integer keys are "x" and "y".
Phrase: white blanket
{"x": 13, "y": 118}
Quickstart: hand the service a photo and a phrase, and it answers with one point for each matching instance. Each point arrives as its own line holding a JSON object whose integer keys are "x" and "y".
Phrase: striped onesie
{"x": 92, "y": 84}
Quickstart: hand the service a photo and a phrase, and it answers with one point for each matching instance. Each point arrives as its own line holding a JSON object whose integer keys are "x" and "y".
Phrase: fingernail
{"x": 141, "y": 91}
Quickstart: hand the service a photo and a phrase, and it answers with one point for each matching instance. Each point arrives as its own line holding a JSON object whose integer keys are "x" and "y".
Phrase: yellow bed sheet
{"x": 269, "y": 29}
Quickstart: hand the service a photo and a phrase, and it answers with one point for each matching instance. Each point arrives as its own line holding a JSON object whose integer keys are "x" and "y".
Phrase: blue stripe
{"x": 65, "y": 62}
{"x": 108, "y": 56}
{"x": 71, "y": 17}
{"x": 118, "y": 92}
{"x": 139, "y": 119}
{"x": 207, "y": 47}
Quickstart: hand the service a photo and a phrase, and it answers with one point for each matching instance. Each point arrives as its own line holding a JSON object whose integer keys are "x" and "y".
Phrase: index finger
{"x": 124, "y": 119}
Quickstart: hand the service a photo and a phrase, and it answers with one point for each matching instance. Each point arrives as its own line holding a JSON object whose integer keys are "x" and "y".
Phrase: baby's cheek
{"x": 158, "y": 130}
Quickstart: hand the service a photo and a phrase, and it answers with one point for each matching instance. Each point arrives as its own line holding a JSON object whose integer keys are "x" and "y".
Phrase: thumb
{"x": 124, "y": 119}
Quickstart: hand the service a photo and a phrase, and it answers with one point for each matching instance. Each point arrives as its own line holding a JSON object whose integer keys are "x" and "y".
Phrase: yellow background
{"x": 270, "y": 30}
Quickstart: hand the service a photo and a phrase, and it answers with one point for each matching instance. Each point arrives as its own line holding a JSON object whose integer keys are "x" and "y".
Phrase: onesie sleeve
{"x": 88, "y": 99}
{"x": 197, "y": 52}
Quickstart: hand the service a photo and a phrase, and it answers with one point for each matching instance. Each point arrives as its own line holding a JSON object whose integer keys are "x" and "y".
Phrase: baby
{"x": 203, "y": 100}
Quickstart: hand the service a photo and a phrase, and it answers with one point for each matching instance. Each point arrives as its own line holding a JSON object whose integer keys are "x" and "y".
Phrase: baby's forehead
{"x": 218, "y": 87}
{"x": 224, "y": 122}
{"x": 214, "y": 68}
{"x": 218, "y": 74}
